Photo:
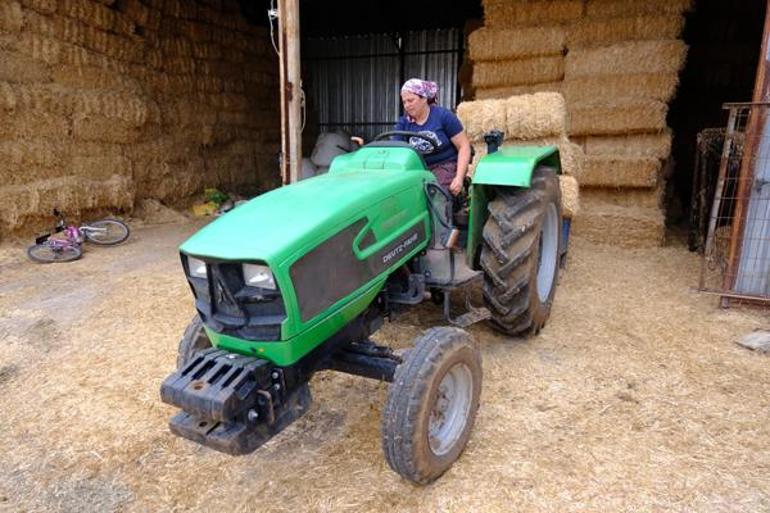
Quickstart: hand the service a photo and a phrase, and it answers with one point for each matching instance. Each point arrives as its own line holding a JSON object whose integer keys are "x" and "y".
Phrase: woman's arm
{"x": 463, "y": 145}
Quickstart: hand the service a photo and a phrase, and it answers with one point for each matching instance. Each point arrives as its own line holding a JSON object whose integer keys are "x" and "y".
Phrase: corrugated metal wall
{"x": 353, "y": 82}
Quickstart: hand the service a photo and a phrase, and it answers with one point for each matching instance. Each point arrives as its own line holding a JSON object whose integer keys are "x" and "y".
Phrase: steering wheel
{"x": 407, "y": 133}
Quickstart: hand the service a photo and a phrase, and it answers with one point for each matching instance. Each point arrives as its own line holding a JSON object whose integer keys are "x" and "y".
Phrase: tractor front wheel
{"x": 520, "y": 254}
{"x": 193, "y": 340}
{"x": 432, "y": 404}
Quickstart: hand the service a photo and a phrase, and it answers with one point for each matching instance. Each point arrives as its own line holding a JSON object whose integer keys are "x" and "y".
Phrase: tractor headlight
{"x": 197, "y": 267}
{"x": 258, "y": 276}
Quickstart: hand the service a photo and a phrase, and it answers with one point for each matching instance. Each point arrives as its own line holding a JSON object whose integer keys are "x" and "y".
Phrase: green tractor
{"x": 298, "y": 279}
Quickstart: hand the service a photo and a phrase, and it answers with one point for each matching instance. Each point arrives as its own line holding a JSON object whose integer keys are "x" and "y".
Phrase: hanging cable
{"x": 272, "y": 15}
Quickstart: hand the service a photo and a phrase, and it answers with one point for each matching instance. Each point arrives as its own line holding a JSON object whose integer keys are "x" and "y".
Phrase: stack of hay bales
{"x": 521, "y": 47}
{"x": 538, "y": 119}
{"x": 105, "y": 103}
{"x": 620, "y": 71}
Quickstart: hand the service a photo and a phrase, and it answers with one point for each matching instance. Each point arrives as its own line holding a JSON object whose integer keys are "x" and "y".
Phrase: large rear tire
{"x": 520, "y": 254}
{"x": 432, "y": 405}
{"x": 193, "y": 340}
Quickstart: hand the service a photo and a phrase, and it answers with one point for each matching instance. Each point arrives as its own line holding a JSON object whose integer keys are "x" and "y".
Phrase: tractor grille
{"x": 228, "y": 306}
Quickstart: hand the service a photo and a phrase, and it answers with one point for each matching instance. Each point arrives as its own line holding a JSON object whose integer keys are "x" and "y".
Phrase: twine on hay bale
{"x": 518, "y": 72}
{"x": 598, "y": 32}
{"x": 487, "y": 44}
{"x": 664, "y": 56}
{"x": 625, "y": 116}
{"x": 654, "y": 86}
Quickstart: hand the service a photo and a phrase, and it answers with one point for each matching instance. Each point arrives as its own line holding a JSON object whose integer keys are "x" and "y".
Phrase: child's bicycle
{"x": 47, "y": 249}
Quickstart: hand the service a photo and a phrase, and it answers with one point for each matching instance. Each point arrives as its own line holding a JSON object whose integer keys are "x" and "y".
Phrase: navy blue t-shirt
{"x": 440, "y": 126}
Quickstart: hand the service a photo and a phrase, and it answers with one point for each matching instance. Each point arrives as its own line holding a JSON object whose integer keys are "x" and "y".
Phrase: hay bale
{"x": 616, "y": 8}
{"x": 126, "y": 107}
{"x": 625, "y": 116}
{"x": 505, "y": 92}
{"x": 620, "y": 172}
{"x": 665, "y": 56}
{"x": 87, "y": 78}
{"x": 507, "y": 13}
{"x": 654, "y": 86}
{"x": 26, "y": 160}
{"x": 15, "y": 67}
{"x": 646, "y": 198}
{"x": 42, "y": 6}
{"x": 487, "y": 44}
{"x": 637, "y": 145}
{"x": 100, "y": 166}
{"x": 570, "y": 196}
{"x": 89, "y": 12}
{"x": 630, "y": 227}
{"x": 518, "y": 72}
{"x": 104, "y": 129}
{"x": 20, "y": 203}
{"x": 41, "y": 124}
{"x": 11, "y": 17}
{"x": 481, "y": 116}
{"x": 534, "y": 116}
{"x": 593, "y": 32}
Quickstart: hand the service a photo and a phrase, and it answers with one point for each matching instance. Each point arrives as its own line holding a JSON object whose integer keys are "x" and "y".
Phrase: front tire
{"x": 432, "y": 404}
{"x": 193, "y": 340}
{"x": 520, "y": 254}
{"x": 106, "y": 232}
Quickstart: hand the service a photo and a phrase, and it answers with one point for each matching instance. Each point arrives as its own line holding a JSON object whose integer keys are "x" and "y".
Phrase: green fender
{"x": 514, "y": 165}
{"x": 509, "y": 166}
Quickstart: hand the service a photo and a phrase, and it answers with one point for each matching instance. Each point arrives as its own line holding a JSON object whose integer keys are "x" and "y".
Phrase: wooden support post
{"x": 291, "y": 90}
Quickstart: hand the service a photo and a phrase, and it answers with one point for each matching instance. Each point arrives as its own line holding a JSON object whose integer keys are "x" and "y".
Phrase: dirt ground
{"x": 634, "y": 398}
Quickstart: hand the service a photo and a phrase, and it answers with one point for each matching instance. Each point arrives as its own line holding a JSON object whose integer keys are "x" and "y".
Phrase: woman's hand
{"x": 456, "y": 186}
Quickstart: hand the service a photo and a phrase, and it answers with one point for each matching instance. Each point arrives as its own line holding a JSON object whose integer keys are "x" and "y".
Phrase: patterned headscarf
{"x": 424, "y": 88}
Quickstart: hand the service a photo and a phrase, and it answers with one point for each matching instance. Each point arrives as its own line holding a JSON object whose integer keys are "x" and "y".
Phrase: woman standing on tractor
{"x": 449, "y": 161}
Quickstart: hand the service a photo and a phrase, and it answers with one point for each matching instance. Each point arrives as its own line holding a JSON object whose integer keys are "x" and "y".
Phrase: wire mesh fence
{"x": 736, "y": 259}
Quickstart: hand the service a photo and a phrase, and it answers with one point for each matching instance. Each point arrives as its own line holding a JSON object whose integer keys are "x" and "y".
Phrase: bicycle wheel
{"x": 46, "y": 253}
{"x": 106, "y": 232}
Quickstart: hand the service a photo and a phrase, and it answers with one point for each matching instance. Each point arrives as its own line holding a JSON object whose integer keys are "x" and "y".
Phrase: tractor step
{"x": 232, "y": 403}
{"x": 471, "y": 317}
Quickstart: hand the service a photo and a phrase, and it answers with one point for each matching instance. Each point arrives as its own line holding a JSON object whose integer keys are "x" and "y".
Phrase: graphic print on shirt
{"x": 423, "y": 146}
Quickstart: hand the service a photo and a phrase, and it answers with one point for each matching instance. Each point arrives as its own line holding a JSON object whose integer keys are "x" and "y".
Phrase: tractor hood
{"x": 291, "y": 220}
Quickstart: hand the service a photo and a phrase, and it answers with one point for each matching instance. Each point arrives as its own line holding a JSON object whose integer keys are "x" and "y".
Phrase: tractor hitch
{"x": 232, "y": 403}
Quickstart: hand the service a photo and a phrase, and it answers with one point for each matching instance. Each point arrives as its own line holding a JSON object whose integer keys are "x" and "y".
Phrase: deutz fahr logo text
{"x": 398, "y": 250}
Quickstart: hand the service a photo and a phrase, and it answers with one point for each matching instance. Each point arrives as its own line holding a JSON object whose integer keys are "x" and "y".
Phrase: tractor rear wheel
{"x": 520, "y": 254}
{"x": 432, "y": 405}
{"x": 193, "y": 340}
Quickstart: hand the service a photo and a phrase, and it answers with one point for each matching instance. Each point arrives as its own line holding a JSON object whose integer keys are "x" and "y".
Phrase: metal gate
{"x": 736, "y": 263}
{"x": 353, "y": 82}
